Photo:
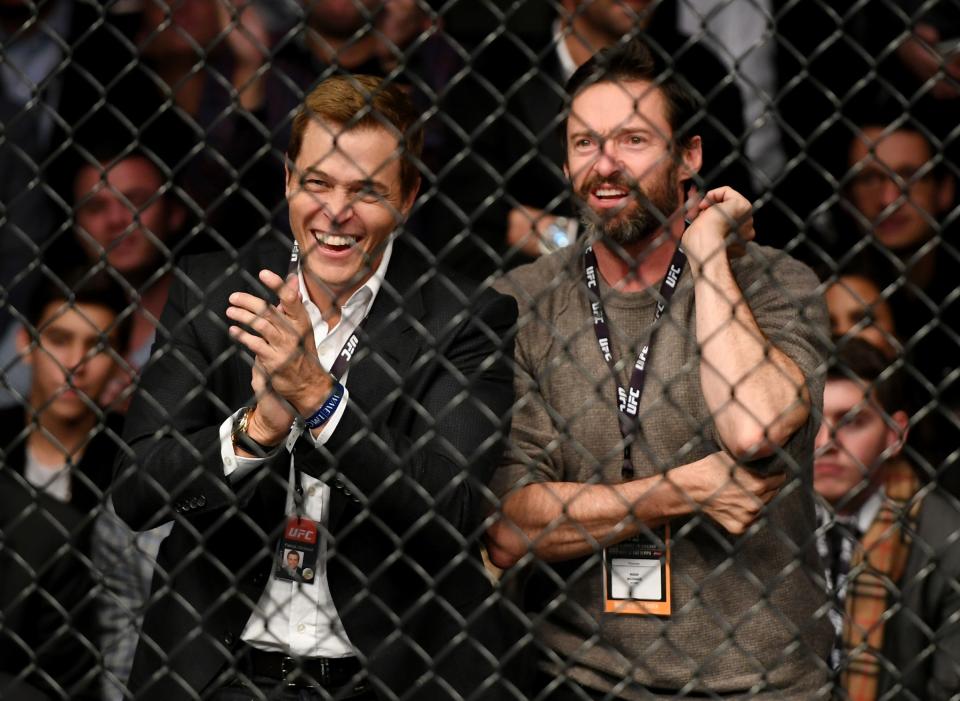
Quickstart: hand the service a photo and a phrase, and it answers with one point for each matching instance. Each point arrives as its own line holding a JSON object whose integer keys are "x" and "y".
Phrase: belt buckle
{"x": 289, "y": 666}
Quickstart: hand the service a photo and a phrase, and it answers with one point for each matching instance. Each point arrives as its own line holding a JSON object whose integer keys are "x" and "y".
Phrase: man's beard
{"x": 639, "y": 219}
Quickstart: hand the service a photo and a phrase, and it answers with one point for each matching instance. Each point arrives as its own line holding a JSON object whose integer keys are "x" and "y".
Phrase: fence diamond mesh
{"x": 408, "y": 349}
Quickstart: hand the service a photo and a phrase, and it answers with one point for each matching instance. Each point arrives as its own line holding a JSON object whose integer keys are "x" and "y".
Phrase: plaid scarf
{"x": 875, "y": 569}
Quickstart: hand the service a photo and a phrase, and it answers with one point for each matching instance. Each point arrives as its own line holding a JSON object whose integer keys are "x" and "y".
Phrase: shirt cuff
{"x": 235, "y": 467}
{"x": 326, "y": 431}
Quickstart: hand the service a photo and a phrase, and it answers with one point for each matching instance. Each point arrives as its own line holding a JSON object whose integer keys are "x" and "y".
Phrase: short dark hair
{"x": 634, "y": 61}
{"x": 365, "y": 102}
{"x": 859, "y": 360}
{"x": 876, "y": 109}
{"x": 81, "y": 284}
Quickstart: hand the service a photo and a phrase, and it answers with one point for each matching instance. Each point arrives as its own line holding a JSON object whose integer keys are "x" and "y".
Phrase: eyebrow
{"x": 619, "y": 131}
{"x": 354, "y": 184}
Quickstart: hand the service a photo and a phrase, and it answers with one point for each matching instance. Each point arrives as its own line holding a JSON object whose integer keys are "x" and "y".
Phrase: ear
{"x": 410, "y": 199}
{"x": 898, "y": 428}
{"x": 287, "y": 173}
{"x": 23, "y": 345}
{"x": 946, "y": 191}
{"x": 691, "y": 159}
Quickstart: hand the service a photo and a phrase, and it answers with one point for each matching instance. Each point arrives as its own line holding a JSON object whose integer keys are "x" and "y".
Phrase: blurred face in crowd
{"x": 612, "y": 18}
{"x": 70, "y": 364}
{"x": 622, "y": 162}
{"x": 341, "y": 18}
{"x": 123, "y": 213}
{"x": 854, "y": 440}
{"x": 896, "y": 190}
{"x": 173, "y": 28}
{"x": 856, "y": 307}
{"x": 345, "y": 199}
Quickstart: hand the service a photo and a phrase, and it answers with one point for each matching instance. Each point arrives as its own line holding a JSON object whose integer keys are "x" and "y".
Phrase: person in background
{"x": 62, "y": 442}
{"x": 58, "y": 455}
{"x": 857, "y": 308}
{"x": 898, "y": 196}
{"x": 893, "y": 560}
{"x": 126, "y": 217}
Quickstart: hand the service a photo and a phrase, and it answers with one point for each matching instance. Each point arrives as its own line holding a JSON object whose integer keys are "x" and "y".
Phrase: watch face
{"x": 559, "y": 236}
{"x": 240, "y": 423}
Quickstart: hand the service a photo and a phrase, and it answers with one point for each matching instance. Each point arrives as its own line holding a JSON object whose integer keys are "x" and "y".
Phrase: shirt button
{"x": 301, "y": 628}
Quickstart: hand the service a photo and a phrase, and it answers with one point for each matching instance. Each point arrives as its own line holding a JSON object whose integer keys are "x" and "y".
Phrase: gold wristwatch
{"x": 242, "y": 439}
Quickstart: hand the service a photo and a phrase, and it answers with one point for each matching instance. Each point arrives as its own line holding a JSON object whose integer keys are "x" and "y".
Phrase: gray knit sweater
{"x": 748, "y": 613}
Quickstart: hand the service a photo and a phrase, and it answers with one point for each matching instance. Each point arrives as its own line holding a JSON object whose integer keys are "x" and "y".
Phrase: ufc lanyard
{"x": 628, "y": 399}
{"x": 337, "y": 370}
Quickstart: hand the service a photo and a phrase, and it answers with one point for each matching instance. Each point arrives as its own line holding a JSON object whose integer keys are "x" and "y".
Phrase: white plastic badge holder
{"x": 636, "y": 575}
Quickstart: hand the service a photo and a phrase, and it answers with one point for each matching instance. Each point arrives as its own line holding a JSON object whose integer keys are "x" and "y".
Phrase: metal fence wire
{"x": 349, "y": 349}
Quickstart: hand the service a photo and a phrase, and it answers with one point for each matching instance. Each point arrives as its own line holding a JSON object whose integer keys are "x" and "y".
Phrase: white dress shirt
{"x": 291, "y": 617}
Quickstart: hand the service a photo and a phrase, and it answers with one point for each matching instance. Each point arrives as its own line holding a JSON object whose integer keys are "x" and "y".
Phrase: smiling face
{"x": 855, "y": 439}
{"x": 622, "y": 162}
{"x": 70, "y": 366}
{"x": 896, "y": 190}
{"x": 345, "y": 199}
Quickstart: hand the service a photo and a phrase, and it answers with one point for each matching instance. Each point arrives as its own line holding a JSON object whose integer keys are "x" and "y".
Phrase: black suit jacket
{"x": 429, "y": 387}
{"x": 90, "y": 477}
{"x": 47, "y": 626}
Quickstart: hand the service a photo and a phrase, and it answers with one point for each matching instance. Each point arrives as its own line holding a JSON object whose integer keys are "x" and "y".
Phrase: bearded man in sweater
{"x": 655, "y": 489}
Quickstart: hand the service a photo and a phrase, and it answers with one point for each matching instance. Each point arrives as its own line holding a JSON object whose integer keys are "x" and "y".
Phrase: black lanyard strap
{"x": 628, "y": 398}
{"x": 337, "y": 370}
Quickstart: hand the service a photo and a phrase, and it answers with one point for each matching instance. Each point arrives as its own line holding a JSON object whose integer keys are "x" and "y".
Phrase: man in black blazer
{"x": 363, "y": 396}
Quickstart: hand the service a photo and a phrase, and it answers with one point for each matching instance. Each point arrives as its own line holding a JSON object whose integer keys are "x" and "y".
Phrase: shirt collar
{"x": 567, "y": 65}
{"x": 359, "y": 302}
{"x": 868, "y": 512}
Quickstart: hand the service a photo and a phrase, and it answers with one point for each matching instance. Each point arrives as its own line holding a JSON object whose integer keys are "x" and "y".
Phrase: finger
{"x": 691, "y": 207}
{"x": 291, "y": 302}
{"x": 247, "y": 307}
{"x": 251, "y": 303}
{"x": 259, "y": 324}
{"x": 255, "y": 344}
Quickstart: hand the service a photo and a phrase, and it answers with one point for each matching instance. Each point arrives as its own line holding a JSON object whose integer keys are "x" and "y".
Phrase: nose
{"x": 338, "y": 206}
{"x": 892, "y": 191}
{"x": 608, "y": 162}
{"x": 74, "y": 361}
{"x": 119, "y": 214}
{"x": 823, "y": 443}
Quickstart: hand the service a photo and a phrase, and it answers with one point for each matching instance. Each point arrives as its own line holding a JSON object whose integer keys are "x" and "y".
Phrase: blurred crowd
{"x": 137, "y": 132}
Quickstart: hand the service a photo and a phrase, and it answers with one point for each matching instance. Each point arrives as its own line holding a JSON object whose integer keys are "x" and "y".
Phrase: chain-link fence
{"x": 319, "y": 385}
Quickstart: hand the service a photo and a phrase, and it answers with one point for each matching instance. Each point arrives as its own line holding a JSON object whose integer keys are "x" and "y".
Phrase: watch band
{"x": 242, "y": 439}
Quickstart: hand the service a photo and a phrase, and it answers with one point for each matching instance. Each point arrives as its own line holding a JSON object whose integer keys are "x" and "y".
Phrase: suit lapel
{"x": 388, "y": 345}
{"x": 388, "y": 341}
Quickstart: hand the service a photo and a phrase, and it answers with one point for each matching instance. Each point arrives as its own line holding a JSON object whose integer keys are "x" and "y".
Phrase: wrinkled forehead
{"x": 606, "y": 107}
{"x": 355, "y": 152}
